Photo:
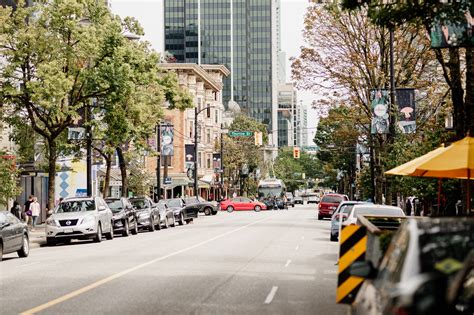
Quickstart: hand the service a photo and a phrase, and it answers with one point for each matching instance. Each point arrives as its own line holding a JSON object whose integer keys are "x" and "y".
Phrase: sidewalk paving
{"x": 37, "y": 236}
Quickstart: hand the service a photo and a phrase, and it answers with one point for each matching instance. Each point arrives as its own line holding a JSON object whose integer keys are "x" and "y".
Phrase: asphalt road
{"x": 272, "y": 262}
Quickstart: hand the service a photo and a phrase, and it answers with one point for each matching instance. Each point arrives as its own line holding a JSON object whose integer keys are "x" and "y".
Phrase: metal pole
{"x": 231, "y": 51}
{"x": 222, "y": 163}
{"x": 199, "y": 32}
{"x": 158, "y": 163}
{"x": 89, "y": 149}
{"x": 392, "y": 111}
{"x": 195, "y": 152}
{"x": 372, "y": 170}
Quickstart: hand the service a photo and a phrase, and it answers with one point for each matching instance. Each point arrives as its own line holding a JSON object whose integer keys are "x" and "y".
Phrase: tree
{"x": 422, "y": 16}
{"x": 240, "y": 151}
{"x": 8, "y": 179}
{"x": 53, "y": 52}
{"x": 346, "y": 56}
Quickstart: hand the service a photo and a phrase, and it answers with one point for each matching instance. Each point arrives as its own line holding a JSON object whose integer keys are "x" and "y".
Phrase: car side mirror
{"x": 363, "y": 269}
{"x": 102, "y": 208}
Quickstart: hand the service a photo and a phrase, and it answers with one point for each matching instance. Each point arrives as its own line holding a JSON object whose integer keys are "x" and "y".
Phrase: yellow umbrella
{"x": 456, "y": 161}
{"x": 409, "y": 167}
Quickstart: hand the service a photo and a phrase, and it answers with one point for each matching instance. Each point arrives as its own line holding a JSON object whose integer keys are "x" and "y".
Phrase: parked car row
{"x": 14, "y": 235}
{"x": 94, "y": 217}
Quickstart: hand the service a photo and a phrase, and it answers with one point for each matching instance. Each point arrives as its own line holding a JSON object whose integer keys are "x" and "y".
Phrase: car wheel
{"x": 135, "y": 229}
{"x": 214, "y": 212}
{"x": 320, "y": 217}
{"x": 333, "y": 238}
{"x": 110, "y": 235}
{"x": 207, "y": 211}
{"x": 67, "y": 241}
{"x": 257, "y": 208}
{"x": 25, "y": 248}
{"x": 230, "y": 209}
{"x": 151, "y": 228}
{"x": 293, "y": 205}
{"x": 189, "y": 221}
{"x": 181, "y": 219}
{"x": 50, "y": 241}
{"x": 1, "y": 251}
{"x": 98, "y": 236}
{"x": 126, "y": 228}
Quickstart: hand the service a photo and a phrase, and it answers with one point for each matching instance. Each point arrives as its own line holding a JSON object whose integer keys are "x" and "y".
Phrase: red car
{"x": 242, "y": 203}
{"x": 329, "y": 204}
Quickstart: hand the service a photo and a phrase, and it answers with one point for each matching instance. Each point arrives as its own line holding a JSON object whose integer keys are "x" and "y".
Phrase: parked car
{"x": 167, "y": 215}
{"x": 423, "y": 258}
{"x": 341, "y": 214}
{"x": 329, "y": 204}
{"x": 371, "y": 209}
{"x": 182, "y": 212}
{"x": 207, "y": 207}
{"x": 313, "y": 198}
{"x": 14, "y": 235}
{"x": 290, "y": 200}
{"x": 80, "y": 218}
{"x": 298, "y": 200}
{"x": 147, "y": 213}
{"x": 242, "y": 203}
{"x": 124, "y": 216}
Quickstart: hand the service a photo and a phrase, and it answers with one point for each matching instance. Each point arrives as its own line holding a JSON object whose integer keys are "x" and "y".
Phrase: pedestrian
{"x": 35, "y": 209}
{"x": 26, "y": 209}
{"x": 16, "y": 209}
{"x": 409, "y": 207}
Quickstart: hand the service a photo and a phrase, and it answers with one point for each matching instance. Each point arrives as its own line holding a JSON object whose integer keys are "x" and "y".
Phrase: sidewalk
{"x": 37, "y": 237}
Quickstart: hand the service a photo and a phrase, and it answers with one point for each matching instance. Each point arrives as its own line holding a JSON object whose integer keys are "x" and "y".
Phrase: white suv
{"x": 80, "y": 218}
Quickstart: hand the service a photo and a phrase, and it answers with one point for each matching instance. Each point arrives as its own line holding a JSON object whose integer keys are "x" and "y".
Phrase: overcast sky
{"x": 150, "y": 15}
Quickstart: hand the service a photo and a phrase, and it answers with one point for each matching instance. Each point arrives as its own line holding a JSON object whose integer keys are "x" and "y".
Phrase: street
{"x": 272, "y": 262}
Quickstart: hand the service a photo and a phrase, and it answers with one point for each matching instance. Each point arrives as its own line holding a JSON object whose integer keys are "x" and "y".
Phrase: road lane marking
{"x": 288, "y": 262}
{"x": 271, "y": 295}
{"x": 103, "y": 281}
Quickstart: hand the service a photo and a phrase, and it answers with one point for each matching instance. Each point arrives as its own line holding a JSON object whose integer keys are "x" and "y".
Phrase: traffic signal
{"x": 258, "y": 138}
{"x": 296, "y": 152}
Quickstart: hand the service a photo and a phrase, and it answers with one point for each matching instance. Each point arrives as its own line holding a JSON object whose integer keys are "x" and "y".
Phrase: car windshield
{"x": 115, "y": 205}
{"x": 269, "y": 191}
{"x": 138, "y": 203}
{"x": 378, "y": 211}
{"x": 174, "y": 202}
{"x": 332, "y": 199}
{"x": 76, "y": 206}
{"x": 347, "y": 209}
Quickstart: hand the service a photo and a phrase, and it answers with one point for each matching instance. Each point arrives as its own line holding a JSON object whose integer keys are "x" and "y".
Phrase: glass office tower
{"x": 254, "y": 47}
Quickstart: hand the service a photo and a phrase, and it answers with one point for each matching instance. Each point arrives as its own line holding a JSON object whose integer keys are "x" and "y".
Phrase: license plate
{"x": 68, "y": 230}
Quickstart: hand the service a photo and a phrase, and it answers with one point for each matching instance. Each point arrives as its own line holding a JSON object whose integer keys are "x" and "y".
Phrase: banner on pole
{"x": 167, "y": 137}
{"x": 406, "y": 110}
{"x": 379, "y": 105}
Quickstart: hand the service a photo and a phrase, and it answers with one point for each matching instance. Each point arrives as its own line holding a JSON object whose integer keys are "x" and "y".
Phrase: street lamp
{"x": 196, "y": 113}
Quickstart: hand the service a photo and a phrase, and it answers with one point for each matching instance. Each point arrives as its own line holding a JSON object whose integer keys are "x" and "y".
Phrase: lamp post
{"x": 196, "y": 113}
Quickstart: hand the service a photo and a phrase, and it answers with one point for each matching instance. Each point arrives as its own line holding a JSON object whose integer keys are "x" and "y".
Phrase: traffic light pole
{"x": 158, "y": 163}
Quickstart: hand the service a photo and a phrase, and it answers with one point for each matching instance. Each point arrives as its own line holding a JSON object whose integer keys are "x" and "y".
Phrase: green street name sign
{"x": 240, "y": 133}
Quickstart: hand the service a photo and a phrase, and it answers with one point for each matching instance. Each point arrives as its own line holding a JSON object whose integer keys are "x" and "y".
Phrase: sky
{"x": 150, "y": 15}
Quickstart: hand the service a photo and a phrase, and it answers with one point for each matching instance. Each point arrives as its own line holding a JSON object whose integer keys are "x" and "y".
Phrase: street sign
{"x": 240, "y": 133}
{"x": 167, "y": 181}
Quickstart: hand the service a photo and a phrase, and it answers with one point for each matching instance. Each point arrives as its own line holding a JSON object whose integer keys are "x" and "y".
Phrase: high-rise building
{"x": 286, "y": 115}
{"x": 253, "y": 59}
{"x": 301, "y": 129}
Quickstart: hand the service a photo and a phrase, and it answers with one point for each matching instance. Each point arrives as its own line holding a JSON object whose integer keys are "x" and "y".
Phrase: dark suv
{"x": 124, "y": 215}
{"x": 203, "y": 206}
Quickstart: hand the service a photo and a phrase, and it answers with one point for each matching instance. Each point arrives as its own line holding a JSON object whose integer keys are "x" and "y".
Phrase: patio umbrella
{"x": 411, "y": 166}
{"x": 455, "y": 161}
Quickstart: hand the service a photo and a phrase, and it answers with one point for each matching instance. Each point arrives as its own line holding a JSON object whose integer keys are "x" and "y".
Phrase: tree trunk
{"x": 51, "y": 172}
{"x": 123, "y": 171}
{"x": 469, "y": 100}
{"x": 108, "y": 167}
{"x": 457, "y": 92}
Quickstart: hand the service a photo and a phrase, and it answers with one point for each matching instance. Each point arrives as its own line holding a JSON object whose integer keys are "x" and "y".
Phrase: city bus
{"x": 270, "y": 190}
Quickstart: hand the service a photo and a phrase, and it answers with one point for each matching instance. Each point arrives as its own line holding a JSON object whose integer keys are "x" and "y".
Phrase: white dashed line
{"x": 271, "y": 295}
{"x": 288, "y": 262}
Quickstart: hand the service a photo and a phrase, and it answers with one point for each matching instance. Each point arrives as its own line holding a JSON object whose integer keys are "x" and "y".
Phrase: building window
{"x": 191, "y": 129}
{"x": 216, "y": 118}
{"x": 208, "y": 165}
{"x": 200, "y": 159}
{"x": 208, "y": 136}
{"x": 208, "y": 110}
